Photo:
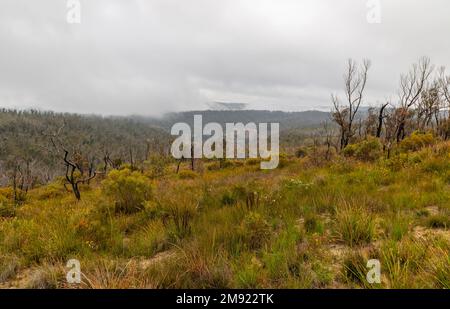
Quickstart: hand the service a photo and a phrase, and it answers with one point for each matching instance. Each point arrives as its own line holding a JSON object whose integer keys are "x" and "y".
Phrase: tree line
{"x": 422, "y": 104}
{"x": 36, "y": 147}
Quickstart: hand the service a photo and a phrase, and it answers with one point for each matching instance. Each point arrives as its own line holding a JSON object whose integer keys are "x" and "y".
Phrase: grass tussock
{"x": 231, "y": 225}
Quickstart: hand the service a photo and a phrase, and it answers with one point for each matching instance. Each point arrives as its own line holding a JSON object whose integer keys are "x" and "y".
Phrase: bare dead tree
{"x": 444, "y": 82}
{"x": 344, "y": 115}
{"x": 179, "y": 163}
{"x": 130, "y": 151}
{"x": 191, "y": 159}
{"x": 71, "y": 178}
{"x": 369, "y": 124}
{"x": 381, "y": 116}
{"x": 328, "y": 138}
{"x": 428, "y": 108}
{"x": 411, "y": 86}
{"x": 444, "y": 88}
{"x": 192, "y": 156}
{"x": 73, "y": 165}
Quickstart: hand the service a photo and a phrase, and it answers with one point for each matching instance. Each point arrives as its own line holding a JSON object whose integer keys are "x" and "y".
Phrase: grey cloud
{"x": 149, "y": 57}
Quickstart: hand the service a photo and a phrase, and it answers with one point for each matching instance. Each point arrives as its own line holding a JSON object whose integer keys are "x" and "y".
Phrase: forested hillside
{"x": 32, "y": 144}
{"x": 287, "y": 120}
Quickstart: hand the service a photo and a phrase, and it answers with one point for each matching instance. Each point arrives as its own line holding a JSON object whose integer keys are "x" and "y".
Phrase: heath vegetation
{"x": 368, "y": 185}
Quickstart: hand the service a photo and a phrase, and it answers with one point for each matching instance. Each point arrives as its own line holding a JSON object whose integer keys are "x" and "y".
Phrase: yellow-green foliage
{"x": 417, "y": 141}
{"x": 129, "y": 190}
{"x": 6, "y": 207}
{"x": 305, "y": 226}
{"x": 179, "y": 204}
{"x": 148, "y": 240}
{"x": 50, "y": 191}
{"x": 187, "y": 174}
{"x": 255, "y": 230}
{"x": 354, "y": 224}
{"x": 253, "y": 161}
{"x": 366, "y": 150}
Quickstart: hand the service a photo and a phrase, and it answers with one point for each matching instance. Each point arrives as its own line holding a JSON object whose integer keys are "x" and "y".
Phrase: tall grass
{"x": 354, "y": 225}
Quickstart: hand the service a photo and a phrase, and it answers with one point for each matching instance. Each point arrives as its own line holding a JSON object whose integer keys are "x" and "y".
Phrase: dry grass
{"x": 307, "y": 225}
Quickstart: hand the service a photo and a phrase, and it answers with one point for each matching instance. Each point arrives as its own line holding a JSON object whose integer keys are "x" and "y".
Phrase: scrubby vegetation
{"x": 303, "y": 226}
{"x": 368, "y": 187}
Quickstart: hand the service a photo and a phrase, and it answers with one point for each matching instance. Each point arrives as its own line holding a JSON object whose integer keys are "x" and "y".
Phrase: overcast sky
{"x": 152, "y": 56}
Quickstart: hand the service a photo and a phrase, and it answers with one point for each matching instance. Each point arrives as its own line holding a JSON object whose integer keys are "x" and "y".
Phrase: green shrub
{"x": 237, "y": 194}
{"x": 366, "y": 150}
{"x": 128, "y": 189}
{"x": 7, "y": 210}
{"x": 98, "y": 229}
{"x": 155, "y": 166}
{"x": 187, "y": 174}
{"x": 436, "y": 165}
{"x": 416, "y": 141}
{"x": 51, "y": 191}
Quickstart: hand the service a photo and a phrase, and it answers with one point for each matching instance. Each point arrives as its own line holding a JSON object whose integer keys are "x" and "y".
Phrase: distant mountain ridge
{"x": 287, "y": 120}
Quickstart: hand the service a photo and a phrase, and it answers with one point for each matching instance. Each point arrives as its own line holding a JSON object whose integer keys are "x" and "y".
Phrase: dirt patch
{"x": 158, "y": 258}
{"x": 20, "y": 281}
{"x": 424, "y": 233}
{"x": 433, "y": 210}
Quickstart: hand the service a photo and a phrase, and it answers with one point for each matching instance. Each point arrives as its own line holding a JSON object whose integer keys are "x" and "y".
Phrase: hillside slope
{"x": 312, "y": 223}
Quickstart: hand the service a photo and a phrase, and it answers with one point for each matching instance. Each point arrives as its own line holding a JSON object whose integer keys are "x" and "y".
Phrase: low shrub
{"x": 436, "y": 165}
{"x": 7, "y": 210}
{"x": 416, "y": 141}
{"x": 366, "y": 150}
{"x": 128, "y": 189}
{"x": 187, "y": 174}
